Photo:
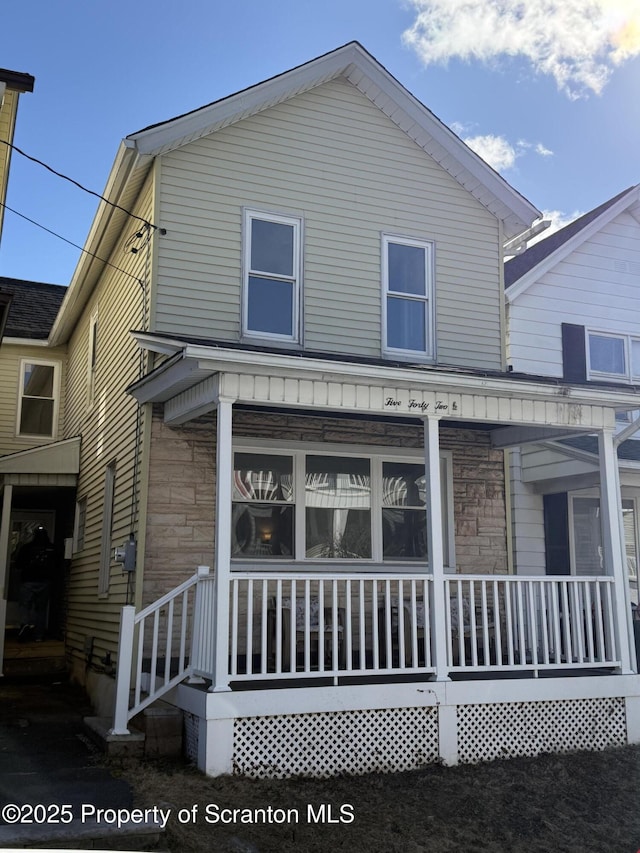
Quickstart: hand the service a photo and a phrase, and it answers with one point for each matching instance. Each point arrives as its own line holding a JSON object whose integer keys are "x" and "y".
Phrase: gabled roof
{"x": 355, "y": 64}
{"x": 33, "y": 308}
{"x": 522, "y": 270}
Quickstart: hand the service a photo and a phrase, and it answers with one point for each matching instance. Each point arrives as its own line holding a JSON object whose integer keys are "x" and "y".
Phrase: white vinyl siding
{"x": 334, "y": 160}
{"x": 598, "y": 280}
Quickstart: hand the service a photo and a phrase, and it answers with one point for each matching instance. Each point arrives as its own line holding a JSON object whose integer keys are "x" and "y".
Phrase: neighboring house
{"x": 293, "y": 371}
{"x": 12, "y": 85}
{"x": 38, "y": 470}
{"x": 573, "y": 308}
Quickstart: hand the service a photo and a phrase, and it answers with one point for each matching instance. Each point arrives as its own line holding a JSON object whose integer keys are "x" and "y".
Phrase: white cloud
{"x": 577, "y": 42}
{"x": 498, "y": 152}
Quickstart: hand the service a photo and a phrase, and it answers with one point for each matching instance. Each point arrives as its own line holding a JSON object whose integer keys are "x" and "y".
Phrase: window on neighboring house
{"x": 272, "y": 276}
{"x": 407, "y": 296}
{"x": 107, "y": 522}
{"x": 79, "y": 524}
{"x": 613, "y": 356}
{"x": 37, "y": 406}
{"x": 334, "y": 506}
{"x": 587, "y": 553}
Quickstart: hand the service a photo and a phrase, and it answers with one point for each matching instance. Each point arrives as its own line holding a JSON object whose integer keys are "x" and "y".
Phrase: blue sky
{"x": 549, "y": 91}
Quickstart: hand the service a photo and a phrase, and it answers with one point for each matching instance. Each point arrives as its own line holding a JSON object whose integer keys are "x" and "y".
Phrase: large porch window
{"x": 312, "y": 506}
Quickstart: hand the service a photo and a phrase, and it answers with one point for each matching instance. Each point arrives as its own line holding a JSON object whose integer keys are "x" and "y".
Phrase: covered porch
{"x": 298, "y": 597}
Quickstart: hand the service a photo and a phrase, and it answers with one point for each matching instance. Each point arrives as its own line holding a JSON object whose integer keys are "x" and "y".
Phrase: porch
{"x": 314, "y": 614}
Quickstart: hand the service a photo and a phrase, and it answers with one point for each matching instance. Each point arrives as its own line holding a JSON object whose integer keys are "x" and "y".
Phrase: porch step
{"x": 99, "y": 729}
{"x": 155, "y": 731}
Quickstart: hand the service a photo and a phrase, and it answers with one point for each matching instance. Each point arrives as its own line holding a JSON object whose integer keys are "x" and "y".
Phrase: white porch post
{"x": 5, "y": 530}
{"x": 435, "y": 545}
{"x": 611, "y": 506}
{"x": 222, "y": 557}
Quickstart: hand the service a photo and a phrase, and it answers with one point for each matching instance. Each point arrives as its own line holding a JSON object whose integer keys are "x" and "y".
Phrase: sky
{"x": 547, "y": 91}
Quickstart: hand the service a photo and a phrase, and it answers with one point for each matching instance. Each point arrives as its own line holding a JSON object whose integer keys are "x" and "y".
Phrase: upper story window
{"x": 613, "y": 356}
{"x": 38, "y": 398}
{"x": 407, "y": 283}
{"x": 272, "y": 276}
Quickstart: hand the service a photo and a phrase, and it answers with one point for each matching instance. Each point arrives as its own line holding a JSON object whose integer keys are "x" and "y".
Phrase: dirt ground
{"x": 588, "y": 802}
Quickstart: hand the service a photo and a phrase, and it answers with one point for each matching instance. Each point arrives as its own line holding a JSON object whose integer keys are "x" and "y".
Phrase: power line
{"x": 75, "y": 245}
{"x": 77, "y": 184}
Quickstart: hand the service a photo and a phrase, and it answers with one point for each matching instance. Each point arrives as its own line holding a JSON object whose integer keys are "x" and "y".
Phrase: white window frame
{"x": 376, "y": 455}
{"x": 104, "y": 572}
{"x": 627, "y": 340}
{"x": 428, "y": 299}
{"x": 295, "y": 279}
{"x": 595, "y": 494}
{"x": 56, "y": 398}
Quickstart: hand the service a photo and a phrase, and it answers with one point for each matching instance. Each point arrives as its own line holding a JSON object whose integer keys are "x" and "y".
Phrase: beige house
{"x": 290, "y": 383}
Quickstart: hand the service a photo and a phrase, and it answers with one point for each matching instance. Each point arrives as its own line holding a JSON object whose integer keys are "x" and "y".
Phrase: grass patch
{"x": 587, "y": 802}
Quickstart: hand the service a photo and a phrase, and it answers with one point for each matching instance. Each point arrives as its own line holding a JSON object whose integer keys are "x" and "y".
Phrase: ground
{"x": 586, "y": 802}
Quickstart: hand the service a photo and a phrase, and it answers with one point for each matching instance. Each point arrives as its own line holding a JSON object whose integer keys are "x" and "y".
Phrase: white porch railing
{"x": 161, "y": 638}
{"x": 300, "y": 626}
{"x": 530, "y": 623}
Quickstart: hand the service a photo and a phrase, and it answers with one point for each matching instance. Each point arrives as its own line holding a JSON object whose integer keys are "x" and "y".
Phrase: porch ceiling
{"x": 192, "y": 381}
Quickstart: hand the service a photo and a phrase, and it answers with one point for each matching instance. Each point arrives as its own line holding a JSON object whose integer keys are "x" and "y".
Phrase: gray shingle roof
{"x": 628, "y": 450}
{"x": 34, "y": 306}
{"x": 515, "y": 268}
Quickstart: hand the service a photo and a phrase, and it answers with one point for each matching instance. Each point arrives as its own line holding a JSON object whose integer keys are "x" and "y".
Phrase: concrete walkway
{"x": 46, "y": 758}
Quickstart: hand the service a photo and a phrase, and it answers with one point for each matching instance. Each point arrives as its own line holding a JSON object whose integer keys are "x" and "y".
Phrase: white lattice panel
{"x": 486, "y": 732}
{"x": 326, "y": 744}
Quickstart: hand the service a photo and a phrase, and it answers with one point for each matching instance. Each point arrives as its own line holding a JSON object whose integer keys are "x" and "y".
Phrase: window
{"x": 272, "y": 276}
{"x": 407, "y": 296}
{"x": 332, "y": 506}
{"x": 37, "y": 406}
{"x": 79, "y": 525}
{"x": 613, "y": 356}
{"x": 107, "y": 521}
{"x": 587, "y": 555}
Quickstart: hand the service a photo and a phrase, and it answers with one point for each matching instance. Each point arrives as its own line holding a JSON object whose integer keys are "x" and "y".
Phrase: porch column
{"x": 222, "y": 557}
{"x": 5, "y": 530}
{"x": 435, "y": 545}
{"x": 613, "y": 545}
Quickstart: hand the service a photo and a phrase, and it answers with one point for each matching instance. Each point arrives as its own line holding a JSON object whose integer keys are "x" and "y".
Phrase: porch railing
{"x": 300, "y": 626}
{"x": 530, "y": 623}
{"x": 297, "y": 625}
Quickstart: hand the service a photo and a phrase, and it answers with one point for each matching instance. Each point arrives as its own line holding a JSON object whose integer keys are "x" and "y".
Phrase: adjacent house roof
{"x": 628, "y": 451}
{"x": 17, "y": 80}
{"x": 520, "y": 271}
{"x": 32, "y": 309}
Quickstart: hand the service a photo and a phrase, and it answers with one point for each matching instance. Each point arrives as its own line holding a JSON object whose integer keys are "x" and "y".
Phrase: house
{"x": 287, "y": 365}
{"x": 573, "y": 314}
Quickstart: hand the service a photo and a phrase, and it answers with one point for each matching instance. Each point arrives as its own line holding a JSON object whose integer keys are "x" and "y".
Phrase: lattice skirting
{"x": 191, "y": 735}
{"x": 326, "y": 744}
{"x": 486, "y": 732}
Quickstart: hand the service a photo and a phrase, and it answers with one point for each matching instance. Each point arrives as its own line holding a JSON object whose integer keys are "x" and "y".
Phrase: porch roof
{"x": 195, "y": 376}
{"x": 59, "y": 457}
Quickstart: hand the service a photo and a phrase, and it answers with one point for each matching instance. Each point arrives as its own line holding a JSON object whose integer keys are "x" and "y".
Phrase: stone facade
{"x": 181, "y": 501}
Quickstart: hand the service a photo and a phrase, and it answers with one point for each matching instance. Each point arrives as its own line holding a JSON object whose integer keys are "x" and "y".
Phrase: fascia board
{"x": 571, "y": 245}
{"x": 215, "y": 359}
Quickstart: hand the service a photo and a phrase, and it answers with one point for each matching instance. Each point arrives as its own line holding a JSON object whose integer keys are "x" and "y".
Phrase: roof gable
{"x": 520, "y": 272}
{"x": 355, "y": 65}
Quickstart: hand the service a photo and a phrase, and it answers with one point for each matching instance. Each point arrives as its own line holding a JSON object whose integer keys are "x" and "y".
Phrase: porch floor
{"x": 26, "y": 659}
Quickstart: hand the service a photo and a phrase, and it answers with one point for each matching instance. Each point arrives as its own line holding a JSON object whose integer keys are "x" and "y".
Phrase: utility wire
{"x": 75, "y": 245}
{"x": 75, "y": 183}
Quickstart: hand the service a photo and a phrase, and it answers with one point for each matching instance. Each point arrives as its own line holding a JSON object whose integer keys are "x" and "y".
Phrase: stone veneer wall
{"x": 181, "y": 503}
